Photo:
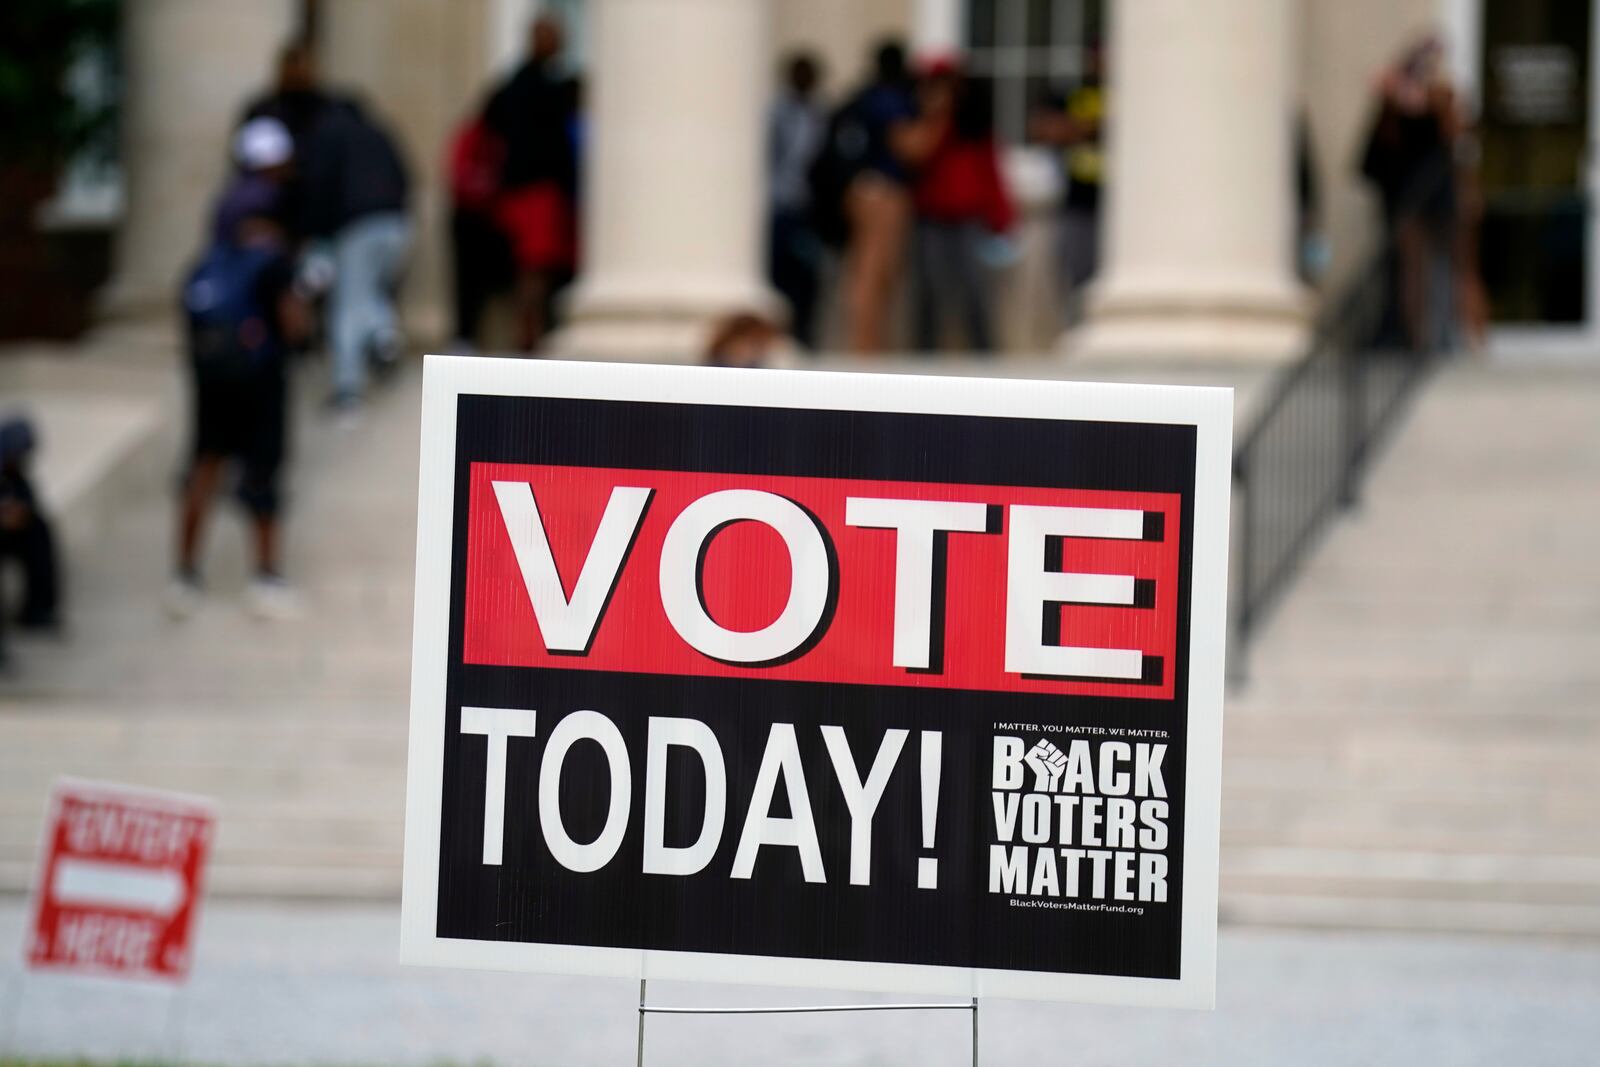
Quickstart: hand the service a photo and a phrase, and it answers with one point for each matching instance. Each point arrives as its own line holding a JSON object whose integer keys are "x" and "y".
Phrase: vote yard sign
{"x": 119, "y": 882}
{"x": 867, "y": 681}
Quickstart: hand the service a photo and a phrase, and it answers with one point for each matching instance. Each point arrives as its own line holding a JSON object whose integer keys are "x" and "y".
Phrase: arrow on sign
{"x": 102, "y": 884}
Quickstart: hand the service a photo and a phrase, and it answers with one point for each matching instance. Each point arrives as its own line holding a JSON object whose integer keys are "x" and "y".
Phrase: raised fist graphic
{"x": 1048, "y": 763}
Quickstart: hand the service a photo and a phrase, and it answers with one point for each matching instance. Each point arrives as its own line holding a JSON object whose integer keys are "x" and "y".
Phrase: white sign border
{"x": 1209, "y": 410}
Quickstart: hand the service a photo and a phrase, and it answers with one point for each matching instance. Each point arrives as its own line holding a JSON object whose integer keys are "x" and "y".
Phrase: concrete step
{"x": 1443, "y": 916}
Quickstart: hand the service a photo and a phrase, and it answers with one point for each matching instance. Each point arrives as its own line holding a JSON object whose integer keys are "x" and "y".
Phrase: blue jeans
{"x": 369, "y": 255}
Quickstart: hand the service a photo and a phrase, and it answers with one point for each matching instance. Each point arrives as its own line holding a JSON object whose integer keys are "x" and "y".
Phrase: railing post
{"x": 1238, "y": 670}
{"x": 1354, "y": 393}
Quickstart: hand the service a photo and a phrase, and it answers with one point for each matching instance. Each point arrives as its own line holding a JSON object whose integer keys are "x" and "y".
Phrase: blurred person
{"x": 532, "y": 115}
{"x": 243, "y": 314}
{"x": 1410, "y": 158}
{"x": 863, "y": 191}
{"x": 295, "y": 98}
{"x": 355, "y": 189}
{"x": 1471, "y": 296}
{"x": 796, "y": 125}
{"x": 26, "y": 535}
{"x": 744, "y": 339}
{"x": 961, "y": 203}
{"x": 1310, "y": 253}
{"x": 480, "y": 257}
{"x": 1074, "y": 122}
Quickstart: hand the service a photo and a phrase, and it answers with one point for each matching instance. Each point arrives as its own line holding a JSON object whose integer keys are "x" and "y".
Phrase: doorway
{"x": 1537, "y": 173}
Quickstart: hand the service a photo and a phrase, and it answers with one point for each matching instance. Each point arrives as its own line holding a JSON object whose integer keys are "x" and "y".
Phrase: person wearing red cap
{"x": 961, "y": 204}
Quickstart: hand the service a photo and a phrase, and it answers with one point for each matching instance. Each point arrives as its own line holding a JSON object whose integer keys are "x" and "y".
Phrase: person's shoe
{"x": 347, "y": 409}
{"x": 385, "y": 348}
{"x": 273, "y": 599}
{"x": 182, "y": 597}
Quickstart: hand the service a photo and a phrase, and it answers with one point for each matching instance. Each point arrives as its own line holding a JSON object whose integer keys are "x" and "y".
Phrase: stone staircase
{"x": 1418, "y": 744}
{"x": 298, "y": 730}
{"x": 309, "y": 804}
{"x": 1419, "y": 740}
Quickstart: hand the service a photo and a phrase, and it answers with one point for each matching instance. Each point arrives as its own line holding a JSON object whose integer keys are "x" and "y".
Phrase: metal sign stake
{"x": 658, "y": 1009}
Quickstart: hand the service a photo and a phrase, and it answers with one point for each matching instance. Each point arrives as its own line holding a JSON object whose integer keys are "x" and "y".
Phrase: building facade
{"x": 1201, "y": 232}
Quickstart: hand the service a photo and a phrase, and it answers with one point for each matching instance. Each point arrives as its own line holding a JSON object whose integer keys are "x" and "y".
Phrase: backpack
{"x": 232, "y": 334}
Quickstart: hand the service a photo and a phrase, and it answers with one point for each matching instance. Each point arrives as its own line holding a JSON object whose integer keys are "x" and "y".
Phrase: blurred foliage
{"x": 43, "y": 121}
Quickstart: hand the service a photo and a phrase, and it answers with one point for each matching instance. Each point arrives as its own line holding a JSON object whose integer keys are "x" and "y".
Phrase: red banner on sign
{"x": 926, "y": 583}
{"x": 119, "y": 882}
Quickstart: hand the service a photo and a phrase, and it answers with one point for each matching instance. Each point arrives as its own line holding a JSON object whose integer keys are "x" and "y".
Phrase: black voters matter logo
{"x": 1084, "y": 822}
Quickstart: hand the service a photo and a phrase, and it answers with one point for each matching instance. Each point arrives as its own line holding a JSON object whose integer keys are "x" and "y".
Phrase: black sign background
{"x": 532, "y": 898}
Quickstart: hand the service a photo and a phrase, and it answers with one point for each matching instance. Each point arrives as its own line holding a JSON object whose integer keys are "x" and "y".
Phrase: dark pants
{"x": 482, "y": 261}
{"x": 246, "y": 418}
{"x": 32, "y": 545}
{"x": 950, "y": 274}
{"x": 794, "y": 260}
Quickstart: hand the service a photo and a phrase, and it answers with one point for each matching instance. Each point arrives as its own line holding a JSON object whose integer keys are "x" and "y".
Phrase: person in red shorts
{"x": 532, "y": 115}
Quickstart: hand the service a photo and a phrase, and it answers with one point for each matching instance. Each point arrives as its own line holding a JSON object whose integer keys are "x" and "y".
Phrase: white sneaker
{"x": 272, "y": 598}
{"x": 182, "y": 598}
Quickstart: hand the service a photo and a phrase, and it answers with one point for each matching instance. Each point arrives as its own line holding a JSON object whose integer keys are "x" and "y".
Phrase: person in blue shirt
{"x": 863, "y": 188}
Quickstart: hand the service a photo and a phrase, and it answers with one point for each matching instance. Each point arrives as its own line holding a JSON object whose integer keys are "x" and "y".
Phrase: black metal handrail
{"x": 1304, "y": 457}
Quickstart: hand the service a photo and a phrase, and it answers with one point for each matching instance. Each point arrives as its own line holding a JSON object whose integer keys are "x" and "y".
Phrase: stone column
{"x": 189, "y": 67}
{"x": 674, "y": 178}
{"x": 417, "y": 67}
{"x": 1197, "y": 245}
{"x": 936, "y": 29}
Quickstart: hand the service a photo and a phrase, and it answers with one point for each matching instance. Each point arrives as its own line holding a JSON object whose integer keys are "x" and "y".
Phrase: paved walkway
{"x": 291, "y": 985}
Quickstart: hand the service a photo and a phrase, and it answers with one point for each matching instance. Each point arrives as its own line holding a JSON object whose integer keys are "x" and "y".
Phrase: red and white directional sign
{"x": 119, "y": 883}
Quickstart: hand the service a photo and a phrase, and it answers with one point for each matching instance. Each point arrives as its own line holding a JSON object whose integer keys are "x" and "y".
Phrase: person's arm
{"x": 294, "y": 317}
{"x": 914, "y": 140}
{"x": 1052, "y": 126}
{"x": 320, "y": 167}
{"x": 279, "y": 290}
{"x": 1451, "y": 120}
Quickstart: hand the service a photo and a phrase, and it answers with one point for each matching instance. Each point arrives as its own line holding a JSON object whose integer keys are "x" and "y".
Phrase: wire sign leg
{"x": 646, "y": 1008}
{"x": 974, "y": 1032}
{"x": 641, "y": 1022}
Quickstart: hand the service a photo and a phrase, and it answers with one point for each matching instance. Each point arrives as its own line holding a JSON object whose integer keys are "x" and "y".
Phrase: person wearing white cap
{"x": 243, "y": 313}
{"x": 262, "y": 144}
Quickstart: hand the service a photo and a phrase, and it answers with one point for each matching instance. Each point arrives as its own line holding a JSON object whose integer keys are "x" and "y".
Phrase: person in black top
{"x": 1074, "y": 122}
{"x": 796, "y": 126}
{"x": 861, "y": 197}
{"x": 25, "y": 532}
{"x": 244, "y": 315}
{"x": 531, "y": 115}
{"x": 295, "y": 99}
{"x": 1410, "y": 158}
{"x": 355, "y": 190}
